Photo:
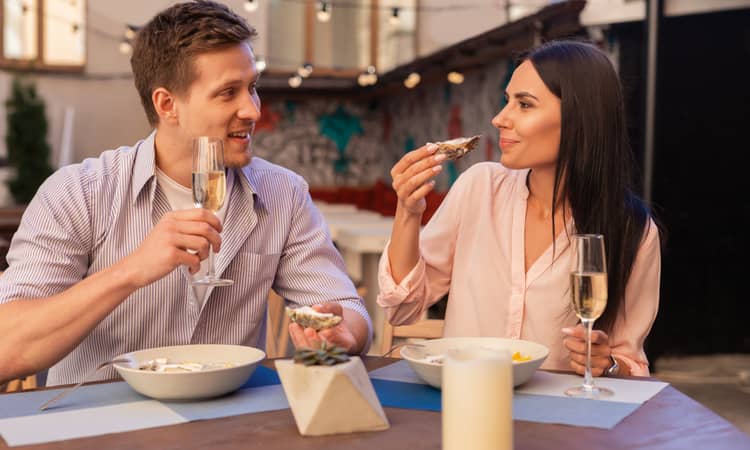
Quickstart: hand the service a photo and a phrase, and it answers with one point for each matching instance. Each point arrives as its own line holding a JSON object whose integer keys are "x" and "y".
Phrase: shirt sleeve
{"x": 430, "y": 279}
{"x": 50, "y": 250}
{"x": 311, "y": 270}
{"x": 641, "y": 305}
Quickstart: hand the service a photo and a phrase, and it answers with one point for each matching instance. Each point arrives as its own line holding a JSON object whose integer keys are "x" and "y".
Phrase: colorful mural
{"x": 333, "y": 143}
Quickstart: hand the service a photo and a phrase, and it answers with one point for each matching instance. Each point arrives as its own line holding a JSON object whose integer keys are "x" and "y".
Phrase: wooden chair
{"x": 20, "y": 384}
{"x": 423, "y": 329}
{"x": 277, "y": 334}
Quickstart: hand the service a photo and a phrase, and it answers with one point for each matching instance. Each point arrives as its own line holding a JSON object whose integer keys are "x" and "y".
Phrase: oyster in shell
{"x": 456, "y": 148}
{"x": 309, "y": 318}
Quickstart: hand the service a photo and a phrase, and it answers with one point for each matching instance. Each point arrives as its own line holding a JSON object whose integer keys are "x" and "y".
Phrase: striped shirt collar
{"x": 144, "y": 170}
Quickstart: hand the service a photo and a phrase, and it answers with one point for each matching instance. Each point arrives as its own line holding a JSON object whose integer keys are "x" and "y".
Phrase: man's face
{"x": 222, "y": 102}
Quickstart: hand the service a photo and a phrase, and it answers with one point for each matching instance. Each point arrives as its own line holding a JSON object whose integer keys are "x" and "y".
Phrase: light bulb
{"x": 324, "y": 11}
{"x": 412, "y": 80}
{"x": 305, "y": 70}
{"x": 251, "y": 5}
{"x": 456, "y": 77}
{"x": 129, "y": 32}
{"x": 394, "y": 19}
{"x": 260, "y": 65}
{"x": 125, "y": 47}
{"x": 295, "y": 81}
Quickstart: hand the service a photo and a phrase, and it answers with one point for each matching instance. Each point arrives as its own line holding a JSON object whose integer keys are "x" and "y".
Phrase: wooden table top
{"x": 670, "y": 420}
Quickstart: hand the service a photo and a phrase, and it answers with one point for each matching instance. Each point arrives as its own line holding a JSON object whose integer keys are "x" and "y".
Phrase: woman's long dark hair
{"x": 594, "y": 163}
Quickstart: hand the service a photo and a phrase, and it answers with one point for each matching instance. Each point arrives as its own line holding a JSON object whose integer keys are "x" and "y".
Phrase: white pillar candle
{"x": 477, "y": 400}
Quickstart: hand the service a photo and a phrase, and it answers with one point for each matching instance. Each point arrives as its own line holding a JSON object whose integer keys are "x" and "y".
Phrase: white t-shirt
{"x": 181, "y": 197}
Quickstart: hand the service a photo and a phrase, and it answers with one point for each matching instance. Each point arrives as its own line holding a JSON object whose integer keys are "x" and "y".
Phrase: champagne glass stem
{"x": 211, "y": 268}
{"x": 211, "y": 271}
{"x": 588, "y": 380}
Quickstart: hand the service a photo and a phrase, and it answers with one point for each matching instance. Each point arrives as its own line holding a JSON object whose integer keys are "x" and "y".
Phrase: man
{"x": 104, "y": 256}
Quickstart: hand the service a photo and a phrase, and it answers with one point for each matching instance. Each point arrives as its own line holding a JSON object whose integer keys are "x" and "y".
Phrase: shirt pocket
{"x": 256, "y": 270}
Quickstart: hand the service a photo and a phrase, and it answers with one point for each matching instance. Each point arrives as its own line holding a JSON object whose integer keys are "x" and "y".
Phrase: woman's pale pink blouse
{"x": 474, "y": 246}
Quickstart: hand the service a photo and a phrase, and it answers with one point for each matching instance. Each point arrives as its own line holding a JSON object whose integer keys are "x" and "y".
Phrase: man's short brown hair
{"x": 164, "y": 48}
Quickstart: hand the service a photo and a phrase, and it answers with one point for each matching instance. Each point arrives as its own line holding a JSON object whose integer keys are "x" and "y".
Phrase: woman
{"x": 500, "y": 242}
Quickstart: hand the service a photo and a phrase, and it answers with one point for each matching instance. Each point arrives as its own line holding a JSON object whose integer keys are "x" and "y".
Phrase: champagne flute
{"x": 209, "y": 191}
{"x": 588, "y": 292}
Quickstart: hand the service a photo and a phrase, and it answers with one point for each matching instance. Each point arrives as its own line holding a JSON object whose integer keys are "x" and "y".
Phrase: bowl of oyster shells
{"x": 426, "y": 358}
{"x": 188, "y": 372}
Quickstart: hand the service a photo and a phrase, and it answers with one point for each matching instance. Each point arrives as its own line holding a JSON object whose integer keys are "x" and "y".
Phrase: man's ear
{"x": 165, "y": 105}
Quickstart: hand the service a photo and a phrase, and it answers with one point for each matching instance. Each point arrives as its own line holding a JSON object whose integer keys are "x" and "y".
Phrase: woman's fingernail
{"x": 431, "y": 148}
{"x": 567, "y": 331}
{"x": 437, "y": 168}
{"x": 439, "y": 157}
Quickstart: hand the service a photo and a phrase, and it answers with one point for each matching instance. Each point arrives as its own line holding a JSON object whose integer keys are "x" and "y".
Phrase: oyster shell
{"x": 309, "y": 318}
{"x": 456, "y": 148}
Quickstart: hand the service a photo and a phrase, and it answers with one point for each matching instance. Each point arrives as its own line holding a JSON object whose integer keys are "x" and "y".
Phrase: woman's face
{"x": 529, "y": 123}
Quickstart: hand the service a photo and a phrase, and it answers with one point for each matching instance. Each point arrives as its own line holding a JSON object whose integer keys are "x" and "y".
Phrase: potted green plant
{"x": 26, "y": 140}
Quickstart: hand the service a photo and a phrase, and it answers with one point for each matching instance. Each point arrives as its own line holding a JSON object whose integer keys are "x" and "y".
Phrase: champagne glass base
{"x": 212, "y": 282}
{"x": 594, "y": 392}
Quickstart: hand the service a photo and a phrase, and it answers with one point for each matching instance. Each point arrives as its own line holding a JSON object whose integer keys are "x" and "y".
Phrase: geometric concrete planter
{"x": 331, "y": 399}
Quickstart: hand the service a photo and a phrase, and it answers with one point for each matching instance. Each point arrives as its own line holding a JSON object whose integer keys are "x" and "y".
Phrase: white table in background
{"x": 366, "y": 244}
{"x": 352, "y": 251}
{"x": 338, "y": 221}
{"x": 325, "y": 207}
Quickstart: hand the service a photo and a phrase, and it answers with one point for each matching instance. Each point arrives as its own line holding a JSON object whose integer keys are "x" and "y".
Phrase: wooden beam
{"x": 40, "y": 31}
{"x": 374, "y": 32}
{"x": 416, "y": 28}
{"x": 2, "y": 32}
{"x": 309, "y": 30}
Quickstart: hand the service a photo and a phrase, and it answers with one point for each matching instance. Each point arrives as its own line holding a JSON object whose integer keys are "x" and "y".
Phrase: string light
{"x": 125, "y": 47}
{"x": 456, "y": 77}
{"x": 324, "y": 11}
{"x": 305, "y": 70}
{"x": 412, "y": 80}
{"x": 368, "y": 77}
{"x": 295, "y": 81}
{"x": 130, "y": 32}
{"x": 251, "y": 5}
{"x": 324, "y": 7}
{"x": 394, "y": 19}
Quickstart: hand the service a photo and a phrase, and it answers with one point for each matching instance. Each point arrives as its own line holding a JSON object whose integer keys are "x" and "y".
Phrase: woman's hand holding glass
{"x": 412, "y": 178}
{"x": 575, "y": 342}
{"x": 588, "y": 295}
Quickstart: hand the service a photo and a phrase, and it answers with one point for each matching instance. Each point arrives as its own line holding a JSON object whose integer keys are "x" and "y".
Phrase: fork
{"x": 396, "y": 347}
{"x": 88, "y": 376}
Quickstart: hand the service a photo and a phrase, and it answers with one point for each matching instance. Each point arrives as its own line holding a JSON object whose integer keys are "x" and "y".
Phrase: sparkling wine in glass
{"x": 209, "y": 191}
{"x": 588, "y": 292}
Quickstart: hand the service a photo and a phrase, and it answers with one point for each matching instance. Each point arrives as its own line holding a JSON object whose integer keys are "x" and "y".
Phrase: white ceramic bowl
{"x": 432, "y": 372}
{"x": 190, "y": 385}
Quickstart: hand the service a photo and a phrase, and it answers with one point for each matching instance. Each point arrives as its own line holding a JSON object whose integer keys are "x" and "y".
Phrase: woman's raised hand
{"x": 412, "y": 178}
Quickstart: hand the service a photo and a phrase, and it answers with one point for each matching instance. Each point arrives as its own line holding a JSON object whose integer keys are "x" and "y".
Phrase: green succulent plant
{"x": 326, "y": 355}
